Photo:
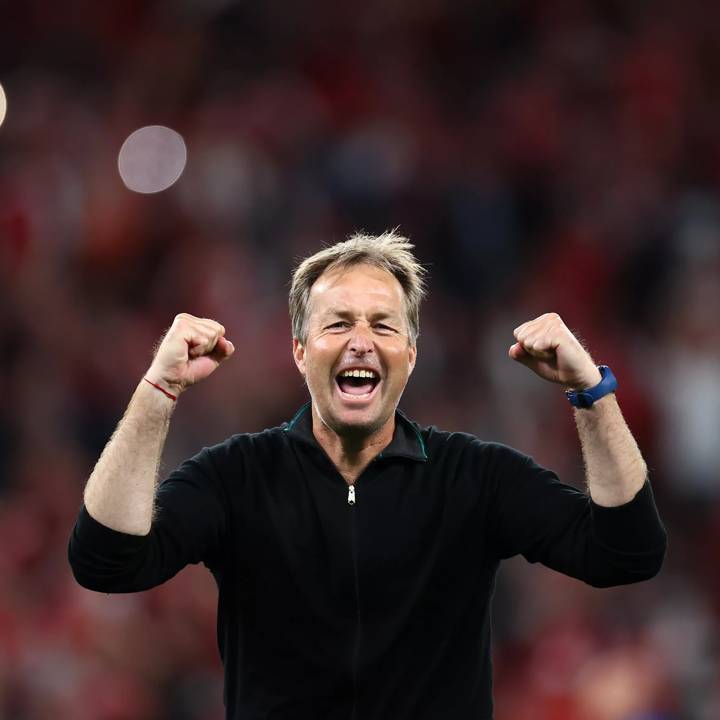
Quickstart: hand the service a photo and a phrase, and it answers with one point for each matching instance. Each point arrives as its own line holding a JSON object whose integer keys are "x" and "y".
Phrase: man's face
{"x": 356, "y": 322}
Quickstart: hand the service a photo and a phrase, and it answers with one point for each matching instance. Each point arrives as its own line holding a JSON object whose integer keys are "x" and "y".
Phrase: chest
{"x": 400, "y": 527}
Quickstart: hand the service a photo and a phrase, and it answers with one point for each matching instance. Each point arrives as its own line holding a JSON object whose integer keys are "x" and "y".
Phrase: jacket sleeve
{"x": 533, "y": 513}
{"x": 188, "y": 527}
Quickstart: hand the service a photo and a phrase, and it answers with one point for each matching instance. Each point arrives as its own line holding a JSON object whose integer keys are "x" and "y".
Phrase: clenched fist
{"x": 190, "y": 351}
{"x": 550, "y": 350}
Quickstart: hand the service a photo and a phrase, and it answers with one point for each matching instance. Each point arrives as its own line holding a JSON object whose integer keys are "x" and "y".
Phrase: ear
{"x": 299, "y": 355}
{"x": 412, "y": 357}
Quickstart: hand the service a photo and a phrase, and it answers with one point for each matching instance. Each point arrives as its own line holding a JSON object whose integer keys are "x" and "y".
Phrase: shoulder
{"x": 442, "y": 442}
{"x": 227, "y": 465}
{"x": 463, "y": 451}
{"x": 253, "y": 446}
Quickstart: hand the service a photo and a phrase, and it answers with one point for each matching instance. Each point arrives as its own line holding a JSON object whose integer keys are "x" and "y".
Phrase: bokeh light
{"x": 3, "y": 105}
{"x": 152, "y": 159}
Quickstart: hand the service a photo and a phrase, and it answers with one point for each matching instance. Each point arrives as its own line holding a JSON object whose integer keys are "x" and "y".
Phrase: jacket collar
{"x": 407, "y": 441}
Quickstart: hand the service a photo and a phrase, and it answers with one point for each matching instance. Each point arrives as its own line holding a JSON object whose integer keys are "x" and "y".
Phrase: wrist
{"x": 585, "y": 398}
{"x": 169, "y": 390}
{"x": 589, "y": 380}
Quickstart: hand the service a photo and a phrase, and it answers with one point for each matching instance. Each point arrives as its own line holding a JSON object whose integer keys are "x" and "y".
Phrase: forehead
{"x": 357, "y": 286}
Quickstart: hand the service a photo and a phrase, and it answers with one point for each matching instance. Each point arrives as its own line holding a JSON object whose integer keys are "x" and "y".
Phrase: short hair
{"x": 389, "y": 251}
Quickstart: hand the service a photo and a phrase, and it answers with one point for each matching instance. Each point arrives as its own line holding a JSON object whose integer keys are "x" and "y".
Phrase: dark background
{"x": 556, "y": 155}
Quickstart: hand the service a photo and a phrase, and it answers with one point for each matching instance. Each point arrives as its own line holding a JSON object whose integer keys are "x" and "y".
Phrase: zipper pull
{"x": 351, "y": 495}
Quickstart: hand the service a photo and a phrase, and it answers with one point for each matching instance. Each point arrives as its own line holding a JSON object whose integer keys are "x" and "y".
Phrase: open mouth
{"x": 357, "y": 384}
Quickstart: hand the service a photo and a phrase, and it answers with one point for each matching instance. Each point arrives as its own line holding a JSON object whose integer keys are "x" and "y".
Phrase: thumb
{"x": 521, "y": 354}
{"x": 223, "y": 349}
{"x": 536, "y": 360}
{"x": 229, "y": 348}
{"x": 518, "y": 353}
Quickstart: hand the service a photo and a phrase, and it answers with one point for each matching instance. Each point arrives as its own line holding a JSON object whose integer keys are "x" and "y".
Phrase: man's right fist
{"x": 190, "y": 351}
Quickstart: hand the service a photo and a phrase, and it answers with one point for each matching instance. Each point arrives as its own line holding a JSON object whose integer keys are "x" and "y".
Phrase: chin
{"x": 356, "y": 426}
{"x": 359, "y": 424}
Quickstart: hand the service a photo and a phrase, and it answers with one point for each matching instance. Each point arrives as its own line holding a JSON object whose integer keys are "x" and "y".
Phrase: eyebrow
{"x": 349, "y": 315}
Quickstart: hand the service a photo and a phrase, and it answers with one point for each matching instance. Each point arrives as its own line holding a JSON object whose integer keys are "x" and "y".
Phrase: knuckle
{"x": 183, "y": 320}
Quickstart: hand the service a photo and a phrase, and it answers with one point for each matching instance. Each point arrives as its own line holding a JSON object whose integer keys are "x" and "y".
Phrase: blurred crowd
{"x": 542, "y": 155}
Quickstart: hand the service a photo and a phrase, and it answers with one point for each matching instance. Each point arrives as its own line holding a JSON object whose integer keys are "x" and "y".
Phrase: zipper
{"x": 358, "y": 631}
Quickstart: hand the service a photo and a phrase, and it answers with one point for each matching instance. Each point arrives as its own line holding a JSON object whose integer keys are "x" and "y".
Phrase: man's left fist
{"x": 550, "y": 350}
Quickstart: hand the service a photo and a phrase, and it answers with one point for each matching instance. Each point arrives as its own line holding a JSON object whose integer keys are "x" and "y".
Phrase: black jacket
{"x": 374, "y": 610}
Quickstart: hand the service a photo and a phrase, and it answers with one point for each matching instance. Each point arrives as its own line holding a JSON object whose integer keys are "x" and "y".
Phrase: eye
{"x": 384, "y": 328}
{"x": 338, "y": 324}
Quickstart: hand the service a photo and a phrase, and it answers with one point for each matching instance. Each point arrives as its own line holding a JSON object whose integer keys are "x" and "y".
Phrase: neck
{"x": 351, "y": 453}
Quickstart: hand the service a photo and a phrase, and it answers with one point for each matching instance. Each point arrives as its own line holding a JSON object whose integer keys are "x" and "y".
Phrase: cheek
{"x": 319, "y": 359}
{"x": 398, "y": 362}
{"x": 323, "y": 345}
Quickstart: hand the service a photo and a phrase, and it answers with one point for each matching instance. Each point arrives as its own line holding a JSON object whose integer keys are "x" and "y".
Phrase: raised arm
{"x": 121, "y": 489}
{"x": 614, "y": 468}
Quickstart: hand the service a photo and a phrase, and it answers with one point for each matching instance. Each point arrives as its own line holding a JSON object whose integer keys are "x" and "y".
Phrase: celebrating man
{"x": 354, "y": 552}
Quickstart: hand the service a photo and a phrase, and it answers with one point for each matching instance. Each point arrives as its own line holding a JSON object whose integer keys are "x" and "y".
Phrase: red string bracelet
{"x": 162, "y": 390}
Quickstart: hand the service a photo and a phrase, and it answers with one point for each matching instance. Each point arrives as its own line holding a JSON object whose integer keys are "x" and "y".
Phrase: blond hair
{"x": 389, "y": 251}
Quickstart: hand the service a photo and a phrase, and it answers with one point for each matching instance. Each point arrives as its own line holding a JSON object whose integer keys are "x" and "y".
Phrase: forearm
{"x": 120, "y": 493}
{"x": 614, "y": 468}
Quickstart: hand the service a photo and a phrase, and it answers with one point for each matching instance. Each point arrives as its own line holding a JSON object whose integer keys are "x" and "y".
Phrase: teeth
{"x": 359, "y": 373}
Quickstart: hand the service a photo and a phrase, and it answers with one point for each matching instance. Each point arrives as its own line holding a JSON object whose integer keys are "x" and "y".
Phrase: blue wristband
{"x": 586, "y": 398}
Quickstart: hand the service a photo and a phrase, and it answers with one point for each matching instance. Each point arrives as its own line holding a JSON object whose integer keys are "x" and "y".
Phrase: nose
{"x": 360, "y": 341}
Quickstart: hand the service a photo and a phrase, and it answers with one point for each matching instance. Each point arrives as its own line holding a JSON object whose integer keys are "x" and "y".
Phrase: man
{"x": 355, "y": 553}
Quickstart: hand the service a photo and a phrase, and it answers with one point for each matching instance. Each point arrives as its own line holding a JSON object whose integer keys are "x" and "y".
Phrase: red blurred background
{"x": 558, "y": 155}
